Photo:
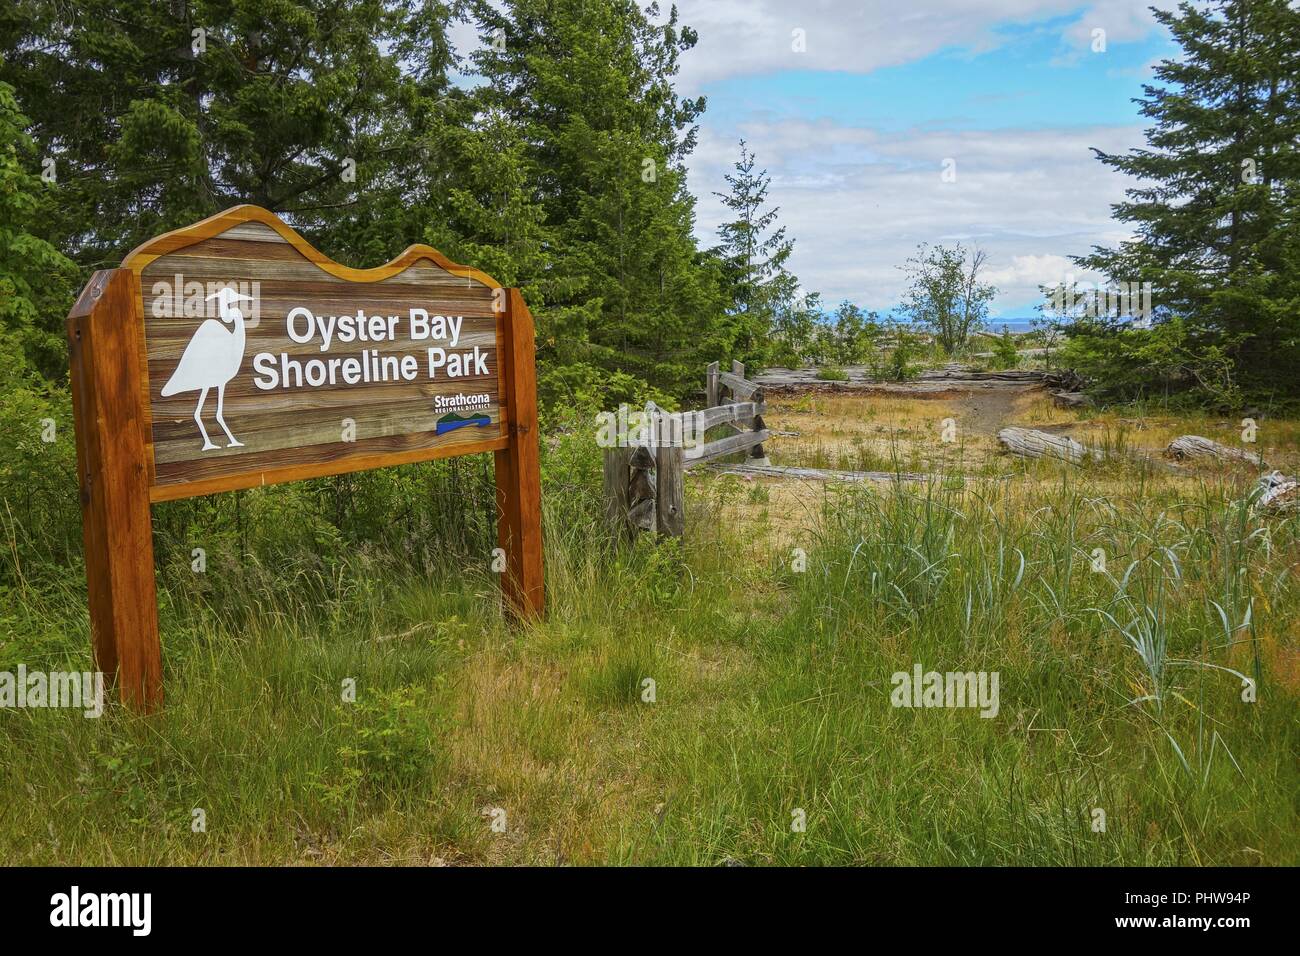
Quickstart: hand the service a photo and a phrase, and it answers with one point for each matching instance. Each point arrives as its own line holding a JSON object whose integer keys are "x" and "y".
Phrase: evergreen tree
{"x": 36, "y": 280}
{"x": 1006, "y": 354}
{"x": 588, "y": 83}
{"x": 755, "y": 252}
{"x": 1216, "y": 212}
{"x": 158, "y": 114}
{"x": 37, "y": 456}
{"x": 855, "y": 334}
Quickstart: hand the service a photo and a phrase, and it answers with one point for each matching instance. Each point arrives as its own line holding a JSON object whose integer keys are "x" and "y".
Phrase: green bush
{"x": 1170, "y": 358}
{"x": 1005, "y": 353}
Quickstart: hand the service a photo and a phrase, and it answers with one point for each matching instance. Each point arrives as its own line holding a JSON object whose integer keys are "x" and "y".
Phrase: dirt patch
{"x": 986, "y": 412}
{"x": 952, "y": 430}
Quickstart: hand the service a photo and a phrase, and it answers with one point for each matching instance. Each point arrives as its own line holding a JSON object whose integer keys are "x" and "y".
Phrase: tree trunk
{"x": 1029, "y": 443}
{"x": 1194, "y": 447}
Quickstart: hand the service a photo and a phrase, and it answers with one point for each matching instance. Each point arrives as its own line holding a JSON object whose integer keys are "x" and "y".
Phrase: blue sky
{"x": 856, "y": 128}
{"x": 1022, "y": 84}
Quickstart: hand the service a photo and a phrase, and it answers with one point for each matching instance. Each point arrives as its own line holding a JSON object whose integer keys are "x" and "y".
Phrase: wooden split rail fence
{"x": 645, "y": 473}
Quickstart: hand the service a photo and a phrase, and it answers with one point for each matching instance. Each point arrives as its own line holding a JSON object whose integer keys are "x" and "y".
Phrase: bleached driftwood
{"x": 1031, "y": 443}
{"x": 1187, "y": 447}
{"x": 1281, "y": 494}
{"x": 749, "y": 470}
{"x": 1071, "y": 400}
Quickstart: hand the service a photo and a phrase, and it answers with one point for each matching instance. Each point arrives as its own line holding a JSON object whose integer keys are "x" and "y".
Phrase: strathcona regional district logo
{"x": 454, "y": 405}
{"x": 451, "y": 421}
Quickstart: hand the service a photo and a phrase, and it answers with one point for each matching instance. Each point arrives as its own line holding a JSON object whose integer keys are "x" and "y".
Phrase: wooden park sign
{"x": 231, "y": 354}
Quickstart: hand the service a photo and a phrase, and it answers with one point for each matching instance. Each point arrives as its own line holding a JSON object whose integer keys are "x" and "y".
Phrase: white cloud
{"x": 1037, "y": 270}
{"x": 746, "y": 37}
{"x": 857, "y": 201}
{"x": 1123, "y": 21}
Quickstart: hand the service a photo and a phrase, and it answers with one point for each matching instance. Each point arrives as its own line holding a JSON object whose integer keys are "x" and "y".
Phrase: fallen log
{"x": 1071, "y": 400}
{"x": 823, "y": 474}
{"x": 1065, "y": 380}
{"x": 961, "y": 377}
{"x": 1191, "y": 447}
{"x": 1030, "y": 443}
{"x": 1281, "y": 494}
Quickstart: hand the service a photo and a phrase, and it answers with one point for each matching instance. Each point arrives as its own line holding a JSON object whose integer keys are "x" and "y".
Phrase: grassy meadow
{"x": 770, "y": 635}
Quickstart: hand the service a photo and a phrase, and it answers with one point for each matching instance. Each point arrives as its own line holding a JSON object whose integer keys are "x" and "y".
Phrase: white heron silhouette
{"x": 211, "y": 360}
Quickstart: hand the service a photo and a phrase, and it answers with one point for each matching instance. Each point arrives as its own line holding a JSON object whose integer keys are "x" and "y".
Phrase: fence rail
{"x": 644, "y": 477}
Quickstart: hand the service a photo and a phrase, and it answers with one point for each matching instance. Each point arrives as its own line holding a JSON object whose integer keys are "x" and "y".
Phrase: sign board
{"x": 232, "y": 354}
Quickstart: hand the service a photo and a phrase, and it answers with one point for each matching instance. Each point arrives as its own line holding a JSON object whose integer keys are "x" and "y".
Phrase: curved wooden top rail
{"x": 214, "y": 226}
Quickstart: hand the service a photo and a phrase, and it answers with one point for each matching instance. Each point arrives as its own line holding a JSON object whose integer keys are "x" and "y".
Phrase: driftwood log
{"x": 950, "y": 377}
{"x": 750, "y": 471}
{"x": 1191, "y": 447}
{"x": 1071, "y": 400}
{"x": 1030, "y": 443}
{"x": 1281, "y": 494}
{"x": 1064, "y": 380}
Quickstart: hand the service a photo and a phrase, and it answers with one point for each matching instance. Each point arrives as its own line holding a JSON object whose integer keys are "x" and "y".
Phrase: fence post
{"x": 757, "y": 455}
{"x": 518, "y": 474}
{"x": 670, "y": 475}
{"x": 617, "y": 473}
{"x": 711, "y": 398}
{"x": 641, "y": 491}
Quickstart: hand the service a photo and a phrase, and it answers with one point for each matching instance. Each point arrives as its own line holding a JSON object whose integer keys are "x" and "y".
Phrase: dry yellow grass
{"x": 886, "y": 433}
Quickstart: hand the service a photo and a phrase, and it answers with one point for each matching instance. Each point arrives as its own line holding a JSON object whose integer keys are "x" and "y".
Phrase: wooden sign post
{"x": 231, "y": 354}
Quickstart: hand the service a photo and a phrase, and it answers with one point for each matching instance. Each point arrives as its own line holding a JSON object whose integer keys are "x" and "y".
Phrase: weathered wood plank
{"x": 740, "y": 388}
{"x": 617, "y": 483}
{"x": 725, "y": 414}
{"x": 670, "y": 491}
{"x": 642, "y": 507}
{"x": 726, "y": 446}
{"x": 757, "y": 454}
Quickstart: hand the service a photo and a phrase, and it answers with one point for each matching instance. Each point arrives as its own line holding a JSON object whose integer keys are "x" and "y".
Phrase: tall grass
{"x": 771, "y": 683}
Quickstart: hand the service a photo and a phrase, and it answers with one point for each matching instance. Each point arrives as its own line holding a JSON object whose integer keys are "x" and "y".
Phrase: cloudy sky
{"x": 855, "y": 129}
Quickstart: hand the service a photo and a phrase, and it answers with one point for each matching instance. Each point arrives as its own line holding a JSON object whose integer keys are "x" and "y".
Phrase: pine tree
{"x": 158, "y": 114}
{"x": 1216, "y": 214}
{"x": 756, "y": 251}
{"x": 36, "y": 280}
{"x": 588, "y": 84}
{"x": 855, "y": 333}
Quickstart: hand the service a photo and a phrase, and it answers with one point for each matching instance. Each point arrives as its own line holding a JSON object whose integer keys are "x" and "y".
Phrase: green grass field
{"x": 470, "y": 742}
